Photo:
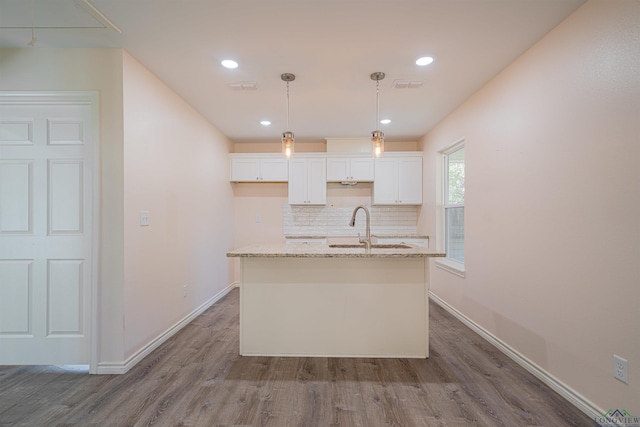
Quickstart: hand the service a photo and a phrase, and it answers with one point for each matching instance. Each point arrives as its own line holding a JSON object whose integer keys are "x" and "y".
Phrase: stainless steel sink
{"x": 374, "y": 246}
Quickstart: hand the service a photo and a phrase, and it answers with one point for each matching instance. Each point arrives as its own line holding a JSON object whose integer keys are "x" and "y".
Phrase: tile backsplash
{"x": 334, "y": 221}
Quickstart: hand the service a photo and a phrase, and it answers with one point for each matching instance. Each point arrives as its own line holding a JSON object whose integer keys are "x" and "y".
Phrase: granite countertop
{"x": 302, "y": 250}
{"x": 380, "y": 236}
{"x": 400, "y": 236}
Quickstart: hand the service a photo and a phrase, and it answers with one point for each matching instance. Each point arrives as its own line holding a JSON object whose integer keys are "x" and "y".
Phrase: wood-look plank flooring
{"x": 197, "y": 378}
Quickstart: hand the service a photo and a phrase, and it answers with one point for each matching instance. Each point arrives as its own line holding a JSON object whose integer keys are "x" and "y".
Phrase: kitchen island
{"x": 325, "y": 301}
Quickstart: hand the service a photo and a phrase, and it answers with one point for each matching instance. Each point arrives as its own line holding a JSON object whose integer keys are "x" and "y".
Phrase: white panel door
{"x": 45, "y": 232}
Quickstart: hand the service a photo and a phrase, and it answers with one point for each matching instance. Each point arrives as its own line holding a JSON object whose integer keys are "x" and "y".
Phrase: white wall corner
{"x": 576, "y": 399}
{"x": 110, "y": 368}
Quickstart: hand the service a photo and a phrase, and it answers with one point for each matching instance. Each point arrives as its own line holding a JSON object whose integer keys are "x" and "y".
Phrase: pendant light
{"x": 287, "y": 136}
{"x": 377, "y": 137}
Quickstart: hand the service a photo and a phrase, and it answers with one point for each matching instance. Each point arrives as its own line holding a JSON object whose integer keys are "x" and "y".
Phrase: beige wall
{"x": 311, "y": 147}
{"x": 79, "y": 70}
{"x": 552, "y": 235}
{"x": 157, "y": 154}
{"x": 176, "y": 168}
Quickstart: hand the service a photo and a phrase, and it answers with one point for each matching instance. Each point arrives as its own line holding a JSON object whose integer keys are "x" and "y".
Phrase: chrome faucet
{"x": 352, "y": 223}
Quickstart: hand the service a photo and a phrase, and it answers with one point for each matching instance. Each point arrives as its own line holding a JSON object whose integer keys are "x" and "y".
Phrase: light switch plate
{"x": 144, "y": 218}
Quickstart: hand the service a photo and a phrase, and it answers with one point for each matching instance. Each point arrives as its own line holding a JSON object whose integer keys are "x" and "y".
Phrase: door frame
{"x": 91, "y": 98}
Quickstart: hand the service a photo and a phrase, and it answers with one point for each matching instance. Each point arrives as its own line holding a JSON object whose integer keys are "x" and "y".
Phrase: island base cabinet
{"x": 334, "y": 307}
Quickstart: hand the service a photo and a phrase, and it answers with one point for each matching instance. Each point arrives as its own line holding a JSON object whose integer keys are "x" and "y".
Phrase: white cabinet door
{"x": 259, "y": 168}
{"x": 274, "y": 170}
{"x": 410, "y": 181}
{"x": 349, "y": 169}
{"x": 245, "y": 170}
{"x": 398, "y": 181}
{"x": 338, "y": 169}
{"x": 385, "y": 182}
{"x": 317, "y": 181}
{"x": 297, "y": 181}
{"x": 307, "y": 181}
{"x": 362, "y": 169}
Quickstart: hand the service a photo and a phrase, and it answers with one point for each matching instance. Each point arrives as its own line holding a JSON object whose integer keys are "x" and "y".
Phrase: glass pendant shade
{"x": 377, "y": 143}
{"x": 287, "y": 144}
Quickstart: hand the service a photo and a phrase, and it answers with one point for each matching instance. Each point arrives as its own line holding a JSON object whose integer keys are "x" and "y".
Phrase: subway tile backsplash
{"x": 334, "y": 221}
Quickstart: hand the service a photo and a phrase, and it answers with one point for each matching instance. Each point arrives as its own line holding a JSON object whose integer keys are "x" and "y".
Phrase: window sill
{"x": 451, "y": 266}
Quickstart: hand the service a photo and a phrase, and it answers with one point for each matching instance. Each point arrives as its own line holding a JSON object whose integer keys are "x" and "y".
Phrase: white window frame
{"x": 449, "y": 264}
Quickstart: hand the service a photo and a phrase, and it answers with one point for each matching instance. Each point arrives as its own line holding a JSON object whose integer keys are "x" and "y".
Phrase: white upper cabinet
{"x": 307, "y": 180}
{"x": 398, "y": 180}
{"x": 258, "y": 168}
{"x": 397, "y": 176}
{"x": 350, "y": 168}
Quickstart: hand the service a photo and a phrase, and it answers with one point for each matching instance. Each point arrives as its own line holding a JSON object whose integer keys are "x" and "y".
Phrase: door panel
{"x": 64, "y": 297}
{"x": 16, "y": 132}
{"x": 15, "y": 297}
{"x": 15, "y": 196}
{"x": 65, "y": 197}
{"x": 45, "y": 232}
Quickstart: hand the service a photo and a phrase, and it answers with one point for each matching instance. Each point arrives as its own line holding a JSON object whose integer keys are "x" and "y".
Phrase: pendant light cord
{"x": 288, "y": 106}
{"x": 377, "y": 103}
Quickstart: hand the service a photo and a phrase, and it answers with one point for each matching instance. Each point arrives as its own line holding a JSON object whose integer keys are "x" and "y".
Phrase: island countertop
{"x": 303, "y": 250}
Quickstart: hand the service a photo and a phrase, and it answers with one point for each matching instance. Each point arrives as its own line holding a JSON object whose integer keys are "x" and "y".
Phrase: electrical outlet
{"x": 620, "y": 369}
{"x": 184, "y": 291}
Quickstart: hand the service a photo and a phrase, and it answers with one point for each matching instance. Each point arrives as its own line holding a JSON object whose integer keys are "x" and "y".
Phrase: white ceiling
{"x": 332, "y": 46}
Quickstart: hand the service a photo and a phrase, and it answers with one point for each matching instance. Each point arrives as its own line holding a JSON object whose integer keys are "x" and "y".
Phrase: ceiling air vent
{"x": 243, "y": 85}
{"x": 407, "y": 84}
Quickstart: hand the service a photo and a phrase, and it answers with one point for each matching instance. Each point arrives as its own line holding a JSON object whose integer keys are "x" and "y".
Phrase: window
{"x": 454, "y": 203}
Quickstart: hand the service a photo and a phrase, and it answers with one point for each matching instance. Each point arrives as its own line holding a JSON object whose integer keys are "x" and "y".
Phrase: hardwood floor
{"x": 197, "y": 378}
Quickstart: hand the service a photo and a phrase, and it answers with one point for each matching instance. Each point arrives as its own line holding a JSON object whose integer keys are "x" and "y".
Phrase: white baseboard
{"x": 558, "y": 386}
{"x": 235, "y": 285}
{"x": 124, "y": 367}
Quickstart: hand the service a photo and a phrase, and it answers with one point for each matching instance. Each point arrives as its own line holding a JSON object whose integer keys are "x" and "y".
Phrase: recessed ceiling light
{"x": 385, "y": 121}
{"x": 229, "y": 63}
{"x": 265, "y": 123}
{"x": 425, "y": 60}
